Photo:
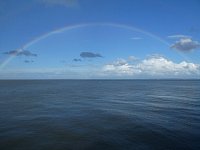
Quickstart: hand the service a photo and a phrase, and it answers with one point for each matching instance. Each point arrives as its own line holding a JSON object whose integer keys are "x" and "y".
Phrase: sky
{"x": 99, "y": 39}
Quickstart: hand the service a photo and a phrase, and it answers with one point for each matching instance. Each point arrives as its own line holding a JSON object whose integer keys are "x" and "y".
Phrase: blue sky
{"x": 99, "y": 39}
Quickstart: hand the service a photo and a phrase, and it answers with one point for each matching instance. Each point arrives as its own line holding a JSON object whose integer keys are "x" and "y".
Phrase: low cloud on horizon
{"x": 152, "y": 67}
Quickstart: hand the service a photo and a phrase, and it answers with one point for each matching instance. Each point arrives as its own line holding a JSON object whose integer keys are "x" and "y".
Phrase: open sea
{"x": 100, "y": 114}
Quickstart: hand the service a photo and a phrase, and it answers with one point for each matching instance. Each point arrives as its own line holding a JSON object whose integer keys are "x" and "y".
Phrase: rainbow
{"x": 67, "y": 28}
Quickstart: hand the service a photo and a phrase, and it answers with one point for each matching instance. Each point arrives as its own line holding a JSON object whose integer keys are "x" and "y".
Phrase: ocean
{"x": 100, "y": 114}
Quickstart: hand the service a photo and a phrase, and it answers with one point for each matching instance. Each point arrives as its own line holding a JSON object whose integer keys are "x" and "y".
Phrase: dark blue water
{"x": 100, "y": 114}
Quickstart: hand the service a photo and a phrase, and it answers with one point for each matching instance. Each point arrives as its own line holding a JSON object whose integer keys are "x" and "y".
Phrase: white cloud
{"x": 65, "y": 3}
{"x": 119, "y": 67}
{"x": 153, "y": 67}
{"x": 132, "y": 58}
{"x": 185, "y": 45}
{"x": 178, "y": 36}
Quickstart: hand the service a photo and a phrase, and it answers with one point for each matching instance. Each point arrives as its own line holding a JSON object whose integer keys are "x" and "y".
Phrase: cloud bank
{"x": 152, "y": 67}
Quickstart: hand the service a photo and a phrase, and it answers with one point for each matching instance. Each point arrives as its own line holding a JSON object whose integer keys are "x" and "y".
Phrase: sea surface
{"x": 100, "y": 115}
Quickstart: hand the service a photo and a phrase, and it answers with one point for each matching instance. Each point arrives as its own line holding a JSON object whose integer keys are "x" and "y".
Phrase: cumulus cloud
{"x": 185, "y": 45}
{"x": 163, "y": 66}
{"x": 89, "y": 55}
{"x": 154, "y": 56}
{"x": 120, "y": 62}
{"x": 77, "y": 59}
{"x": 152, "y": 67}
{"x": 20, "y": 53}
{"x": 118, "y": 67}
{"x": 65, "y": 3}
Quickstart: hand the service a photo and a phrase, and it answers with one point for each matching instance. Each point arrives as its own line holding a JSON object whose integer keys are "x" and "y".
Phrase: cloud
{"x": 20, "y": 53}
{"x": 89, "y": 55}
{"x": 132, "y": 58}
{"x": 77, "y": 59}
{"x": 178, "y": 36}
{"x": 119, "y": 67}
{"x": 154, "y": 56}
{"x": 152, "y": 67}
{"x": 119, "y": 62}
{"x": 65, "y": 3}
{"x": 185, "y": 45}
